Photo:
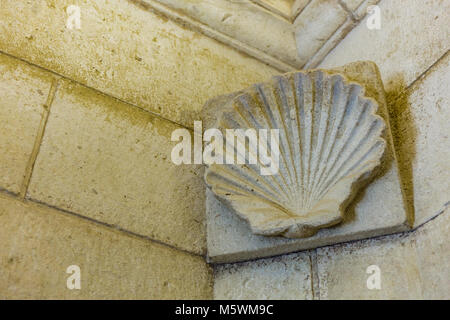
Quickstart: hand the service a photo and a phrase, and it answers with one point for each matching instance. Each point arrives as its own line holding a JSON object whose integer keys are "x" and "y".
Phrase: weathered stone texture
{"x": 38, "y": 244}
{"x": 413, "y": 35}
{"x": 23, "y": 93}
{"x": 128, "y": 52}
{"x": 413, "y": 265}
{"x": 433, "y": 249}
{"x": 111, "y": 162}
{"x": 422, "y": 136}
{"x": 242, "y": 24}
{"x": 286, "y": 277}
{"x": 317, "y": 22}
{"x": 343, "y": 269}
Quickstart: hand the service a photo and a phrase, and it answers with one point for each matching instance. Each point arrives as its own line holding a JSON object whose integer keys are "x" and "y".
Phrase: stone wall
{"x": 86, "y": 177}
{"x": 411, "y": 50}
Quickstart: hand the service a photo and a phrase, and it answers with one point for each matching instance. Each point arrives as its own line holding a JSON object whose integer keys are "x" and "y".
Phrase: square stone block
{"x": 286, "y": 277}
{"x": 378, "y": 209}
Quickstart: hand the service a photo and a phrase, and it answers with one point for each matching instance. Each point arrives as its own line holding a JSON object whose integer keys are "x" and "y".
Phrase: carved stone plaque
{"x": 328, "y": 141}
{"x": 333, "y": 133}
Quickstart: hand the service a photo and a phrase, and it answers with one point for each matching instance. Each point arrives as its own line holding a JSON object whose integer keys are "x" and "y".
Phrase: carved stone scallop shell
{"x": 329, "y": 142}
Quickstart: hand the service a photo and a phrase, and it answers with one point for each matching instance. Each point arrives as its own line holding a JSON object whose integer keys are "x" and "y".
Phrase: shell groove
{"x": 329, "y": 140}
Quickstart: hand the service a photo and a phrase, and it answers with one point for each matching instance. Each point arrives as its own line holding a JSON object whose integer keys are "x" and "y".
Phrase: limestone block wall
{"x": 86, "y": 177}
{"x": 411, "y": 50}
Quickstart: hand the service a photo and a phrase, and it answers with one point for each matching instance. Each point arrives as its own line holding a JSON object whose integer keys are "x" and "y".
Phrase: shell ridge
{"x": 268, "y": 115}
{"x": 242, "y": 111}
{"x": 356, "y": 146}
{"x": 364, "y": 166}
{"x": 252, "y": 170}
{"x": 337, "y": 112}
{"x": 284, "y": 136}
{"x": 296, "y": 133}
{"x": 306, "y": 133}
{"x": 287, "y": 127}
{"x": 228, "y": 177}
{"x": 313, "y": 136}
{"x": 341, "y": 157}
{"x": 322, "y": 126}
{"x": 278, "y": 184}
{"x": 343, "y": 133}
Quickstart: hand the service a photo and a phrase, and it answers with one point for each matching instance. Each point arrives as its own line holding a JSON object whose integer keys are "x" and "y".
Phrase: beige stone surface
{"x": 422, "y": 118}
{"x": 433, "y": 249}
{"x": 281, "y": 7}
{"x": 298, "y": 7}
{"x": 352, "y": 4}
{"x": 342, "y": 269}
{"x": 413, "y": 35}
{"x": 129, "y": 52}
{"x": 23, "y": 92}
{"x": 286, "y": 277}
{"x": 39, "y": 244}
{"x": 315, "y": 24}
{"x": 244, "y": 25}
{"x": 378, "y": 210}
{"x": 413, "y": 265}
{"x": 111, "y": 162}
{"x": 361, "y": 11}
{"x": 331, "y": 43}
{"x": 357, "y": 10}
{"x": 359, "y": 7}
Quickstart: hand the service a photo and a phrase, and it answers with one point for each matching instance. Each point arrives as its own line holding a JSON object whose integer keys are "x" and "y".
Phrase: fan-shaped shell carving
{"x": 329, "y": 142}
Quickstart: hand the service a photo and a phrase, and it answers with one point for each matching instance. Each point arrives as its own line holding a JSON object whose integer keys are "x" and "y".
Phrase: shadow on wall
{"x": 404, "y": 134}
